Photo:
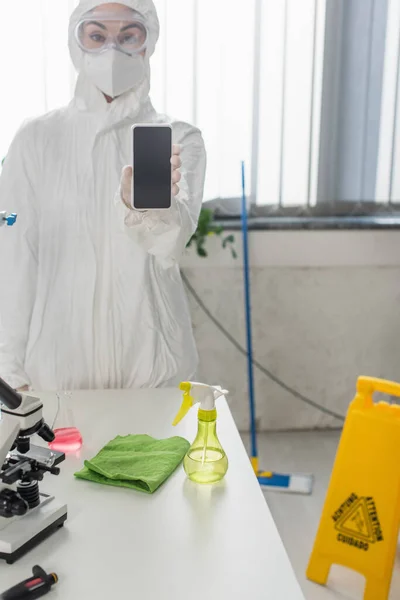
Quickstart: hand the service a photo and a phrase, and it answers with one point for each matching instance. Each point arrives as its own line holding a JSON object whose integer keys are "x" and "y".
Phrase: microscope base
{"x": 18, "y": 536}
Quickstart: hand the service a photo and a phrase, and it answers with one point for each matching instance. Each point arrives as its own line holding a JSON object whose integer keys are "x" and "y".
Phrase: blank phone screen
{"x": 152, "y": 149}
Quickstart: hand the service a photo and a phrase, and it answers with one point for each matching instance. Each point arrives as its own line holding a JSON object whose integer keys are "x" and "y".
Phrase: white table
{"x": 185, "y": 542}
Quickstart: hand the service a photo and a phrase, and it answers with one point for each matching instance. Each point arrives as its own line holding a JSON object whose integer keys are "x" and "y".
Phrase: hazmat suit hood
{"x": 87, "y": 96}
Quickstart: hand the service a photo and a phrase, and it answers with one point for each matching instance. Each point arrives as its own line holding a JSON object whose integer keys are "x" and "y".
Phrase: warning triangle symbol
{"x": 356, "y": 522}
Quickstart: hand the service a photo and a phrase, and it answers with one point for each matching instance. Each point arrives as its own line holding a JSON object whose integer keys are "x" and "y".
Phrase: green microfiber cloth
{"x": 139, "y": 462}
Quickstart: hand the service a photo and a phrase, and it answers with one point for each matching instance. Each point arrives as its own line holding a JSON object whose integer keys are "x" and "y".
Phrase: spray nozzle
{"x": 194, "y": 393}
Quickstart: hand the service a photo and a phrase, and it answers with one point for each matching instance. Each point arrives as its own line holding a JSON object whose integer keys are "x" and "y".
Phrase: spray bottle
{"x": 206, "y": 461}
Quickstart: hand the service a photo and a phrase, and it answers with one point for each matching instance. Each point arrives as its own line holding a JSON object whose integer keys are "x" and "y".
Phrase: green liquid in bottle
{"x": 206, "y": 461}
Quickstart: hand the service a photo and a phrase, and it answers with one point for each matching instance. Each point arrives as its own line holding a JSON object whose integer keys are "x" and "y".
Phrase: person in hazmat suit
{"x": 91, "y": 295}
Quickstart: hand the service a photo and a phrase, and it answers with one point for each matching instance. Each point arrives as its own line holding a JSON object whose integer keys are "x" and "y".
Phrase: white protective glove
{"x": 127, "y": 175}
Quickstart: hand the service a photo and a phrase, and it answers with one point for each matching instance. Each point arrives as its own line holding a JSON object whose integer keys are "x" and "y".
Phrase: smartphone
{"x": 152, "y": 172}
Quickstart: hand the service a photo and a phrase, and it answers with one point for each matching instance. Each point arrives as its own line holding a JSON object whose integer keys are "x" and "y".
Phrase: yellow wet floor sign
{"x": 360, "y": 521}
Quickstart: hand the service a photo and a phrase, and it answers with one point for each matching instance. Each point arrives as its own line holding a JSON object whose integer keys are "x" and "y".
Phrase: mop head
{"x": 298, "y": 483}
{"x": 290, "y": 484}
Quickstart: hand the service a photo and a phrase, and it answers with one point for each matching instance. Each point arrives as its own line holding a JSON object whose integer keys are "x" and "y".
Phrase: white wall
{"x": 326, "y": 309}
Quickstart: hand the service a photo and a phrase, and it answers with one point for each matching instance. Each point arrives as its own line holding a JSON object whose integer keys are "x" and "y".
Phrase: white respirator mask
{"x": 113, "y": 46}
{"x": 114, "y": 72}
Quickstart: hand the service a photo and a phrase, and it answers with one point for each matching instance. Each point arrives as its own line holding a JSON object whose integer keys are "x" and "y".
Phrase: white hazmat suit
{"x": 91, "y": 295}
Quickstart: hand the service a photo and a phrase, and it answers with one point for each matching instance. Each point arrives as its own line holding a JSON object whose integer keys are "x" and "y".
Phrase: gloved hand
{"x": 127, "y": 173}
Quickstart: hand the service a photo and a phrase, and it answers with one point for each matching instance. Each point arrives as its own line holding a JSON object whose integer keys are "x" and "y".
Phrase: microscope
{"x": 27, "y": 515}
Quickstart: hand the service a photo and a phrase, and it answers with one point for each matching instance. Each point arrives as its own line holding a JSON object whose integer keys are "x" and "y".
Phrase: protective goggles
{"x": 98, "y": 32}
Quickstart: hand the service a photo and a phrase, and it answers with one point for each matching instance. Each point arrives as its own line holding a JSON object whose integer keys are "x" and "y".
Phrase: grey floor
{"x": 297, "y": 517}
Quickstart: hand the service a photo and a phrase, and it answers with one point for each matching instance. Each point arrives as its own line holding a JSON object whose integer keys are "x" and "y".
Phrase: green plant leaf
{"x": 205, "y": 229}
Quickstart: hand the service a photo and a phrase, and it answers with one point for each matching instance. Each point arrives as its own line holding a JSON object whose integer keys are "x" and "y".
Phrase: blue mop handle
{"x": 253, "y": 428}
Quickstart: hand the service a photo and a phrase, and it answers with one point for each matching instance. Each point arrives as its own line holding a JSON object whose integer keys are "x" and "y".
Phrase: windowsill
{"x": 307, "y": 242}
{"x": 313, "y": 223}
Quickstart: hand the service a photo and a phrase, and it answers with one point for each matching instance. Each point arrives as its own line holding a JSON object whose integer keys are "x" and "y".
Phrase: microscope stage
{"x": 43, "y": 455}
{"x": 21, "y": 534}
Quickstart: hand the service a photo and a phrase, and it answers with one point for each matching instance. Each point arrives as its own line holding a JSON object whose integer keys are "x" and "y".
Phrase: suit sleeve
{"x": 18, "y": 257}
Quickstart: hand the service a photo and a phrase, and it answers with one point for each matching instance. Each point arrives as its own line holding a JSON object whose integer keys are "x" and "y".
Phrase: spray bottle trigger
{"x": 187, "y": 404}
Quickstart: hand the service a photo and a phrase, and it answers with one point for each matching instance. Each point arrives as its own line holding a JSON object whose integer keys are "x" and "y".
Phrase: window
{"x": 36, "y": 71}
{"x": 203, "y": 72}
{"x": 290, "y": 75}
{"x": 250, "y": 76}
{"x": 388, "y": 179}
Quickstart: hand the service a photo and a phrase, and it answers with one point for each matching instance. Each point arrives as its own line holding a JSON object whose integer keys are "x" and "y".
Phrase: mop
{"x": 292, "y": 483}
